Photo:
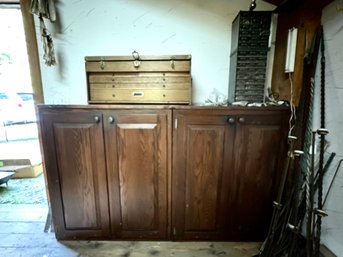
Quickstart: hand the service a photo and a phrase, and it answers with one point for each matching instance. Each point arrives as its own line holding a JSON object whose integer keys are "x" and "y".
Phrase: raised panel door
{"x": 137, "y": 160}
{"x": 201, "y": 169}
{"x": 76, "y": 173}
{"x": 258, "y": 146}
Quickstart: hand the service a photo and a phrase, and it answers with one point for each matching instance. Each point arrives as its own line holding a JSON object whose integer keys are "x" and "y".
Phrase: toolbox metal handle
{"x": 136, "y": 62}
{"x": 102, "y": 64}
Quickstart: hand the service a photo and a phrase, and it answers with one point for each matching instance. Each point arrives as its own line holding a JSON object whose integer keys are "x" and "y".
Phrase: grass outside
{"x": 24, "y": 191}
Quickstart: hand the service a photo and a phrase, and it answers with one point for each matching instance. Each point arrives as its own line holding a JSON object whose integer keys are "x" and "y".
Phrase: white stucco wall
{"x": 332, "y": 21}
{"x": 201, "y": 28}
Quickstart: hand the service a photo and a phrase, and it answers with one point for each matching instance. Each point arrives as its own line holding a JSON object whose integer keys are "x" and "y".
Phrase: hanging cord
{"x": 292, "y": 106}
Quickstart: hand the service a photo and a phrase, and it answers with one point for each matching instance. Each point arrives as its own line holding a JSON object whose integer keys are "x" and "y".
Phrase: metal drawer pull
{"x": 110, "y": 120}
{"x": 231, "y": 120}
{"x": 138, "y": 94}
{"x": 172, "y": 64}
{"x": 241, "y": 120}
{"x": 96, "y": 119}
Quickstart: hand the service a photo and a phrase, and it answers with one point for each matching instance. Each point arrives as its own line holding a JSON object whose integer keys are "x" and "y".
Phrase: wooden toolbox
{"x": 139, "y": 79}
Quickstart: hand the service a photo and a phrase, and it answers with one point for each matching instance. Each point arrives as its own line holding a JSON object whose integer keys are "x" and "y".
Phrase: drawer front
{"x": 140, "y": 78}
{"x": 140, "y": 66}
{"x": 140, "y": 95}
{"x": 139, "y": 86}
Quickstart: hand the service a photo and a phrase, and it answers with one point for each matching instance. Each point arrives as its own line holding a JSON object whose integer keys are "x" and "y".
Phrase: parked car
{"x": 15, "y": 109}
{"x": 28, "y": 106}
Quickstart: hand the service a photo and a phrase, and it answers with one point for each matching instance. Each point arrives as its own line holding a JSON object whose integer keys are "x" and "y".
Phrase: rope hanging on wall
{"x": 45, "y": 9}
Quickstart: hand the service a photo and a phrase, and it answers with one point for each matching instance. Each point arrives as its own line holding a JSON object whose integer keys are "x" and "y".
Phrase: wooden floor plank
{"x": 21, "y": 227}
{"x": 22, "y": 234}
{"x": 22, "y": 213}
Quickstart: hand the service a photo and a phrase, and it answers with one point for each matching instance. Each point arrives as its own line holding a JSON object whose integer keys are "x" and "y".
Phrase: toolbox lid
{"x": 138, "y": 57}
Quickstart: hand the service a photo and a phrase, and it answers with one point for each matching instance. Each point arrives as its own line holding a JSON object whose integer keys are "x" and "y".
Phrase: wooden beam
{"x": 274, "y": 2}
{"x": 307, "y": 20}
{"x": 288, "y": 5}
{"x": 32, "y": 51}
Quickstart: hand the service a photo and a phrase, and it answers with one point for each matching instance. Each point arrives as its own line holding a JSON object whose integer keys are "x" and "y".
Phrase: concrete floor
{"x": 22, "y": 234}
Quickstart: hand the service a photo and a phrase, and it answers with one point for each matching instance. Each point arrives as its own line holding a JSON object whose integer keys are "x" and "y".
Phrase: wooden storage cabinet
{"x": 259, "y": 148}
{"x": 107, "y": 172}
{"x": 225, "y": 169}
{"x": 75, "y": 166}
{"x": 201, "y": 175}
{"x": 137, "y": 167}
{"x": 180, "y": 173}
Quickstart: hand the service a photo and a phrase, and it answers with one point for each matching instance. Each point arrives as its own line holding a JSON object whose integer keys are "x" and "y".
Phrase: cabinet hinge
{"x": 174, "y": 231}
{"x": 175, "y": 123}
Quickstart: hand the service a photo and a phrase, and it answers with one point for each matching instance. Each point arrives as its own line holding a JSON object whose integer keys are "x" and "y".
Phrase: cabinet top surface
{"x": 161, "y": 107}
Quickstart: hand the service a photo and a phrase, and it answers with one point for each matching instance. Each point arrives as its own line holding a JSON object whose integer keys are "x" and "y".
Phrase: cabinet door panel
{"x": 257, "y": 152}
{"x": 200, "y": 174}
{"x": 73, "y": 149}
{"x": 137, "y": 160}
{"x": 137, "y": 173}
{"x": 203, "y": 176}
{"x": 76, "y": 173}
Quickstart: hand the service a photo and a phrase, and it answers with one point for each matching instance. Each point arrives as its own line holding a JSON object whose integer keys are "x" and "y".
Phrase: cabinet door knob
{"x": 110, "y": 120}
{"x": 231, "y": 120}
{"x": 241, "y": 120}
{"x": 96, "y": 119}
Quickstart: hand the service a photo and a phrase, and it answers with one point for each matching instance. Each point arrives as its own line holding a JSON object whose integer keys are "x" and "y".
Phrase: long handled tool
{"x": 310, "y": 199}
{"x": 277, "y": 204}
{"x": 294, "y": 224}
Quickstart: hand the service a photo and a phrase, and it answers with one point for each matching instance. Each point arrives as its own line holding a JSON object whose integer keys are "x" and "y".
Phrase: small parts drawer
{"x": 127, "y": 95}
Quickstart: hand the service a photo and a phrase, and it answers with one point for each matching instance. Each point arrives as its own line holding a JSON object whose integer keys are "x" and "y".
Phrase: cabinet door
{"x": 75, "y": 167}
{"x": 137, "y": 160}
{"x": 258, "y": 148}
{"x": 202, "y": 162}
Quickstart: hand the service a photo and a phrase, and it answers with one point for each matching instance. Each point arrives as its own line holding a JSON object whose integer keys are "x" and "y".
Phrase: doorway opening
{"x": 19, "y": 144}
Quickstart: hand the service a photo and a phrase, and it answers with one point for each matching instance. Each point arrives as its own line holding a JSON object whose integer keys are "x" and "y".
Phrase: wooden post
{"x": 32, "y": 51}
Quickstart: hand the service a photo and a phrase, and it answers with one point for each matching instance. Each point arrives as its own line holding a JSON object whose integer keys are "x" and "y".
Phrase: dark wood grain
{"x": 257, "y": 147}
{"x": 200, "y": 175}
{"x": 205, "y": 147}
{"x": 138, "y": 168}
{"x": 225, "y": 173}
{"x": 307, "y": 20}
{"x": 115, "y": 177}
{"x": 76, "y": 172}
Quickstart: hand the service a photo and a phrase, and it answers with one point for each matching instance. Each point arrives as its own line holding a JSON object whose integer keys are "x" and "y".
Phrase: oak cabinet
{"x": 136, "y": 145}
{"x": 163, "y": 172}
{"x": 107, "y": 172}
{"x": 74, "y": 159}
{"x": 225, "y": 168}
{"x": 259, "y": 148}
